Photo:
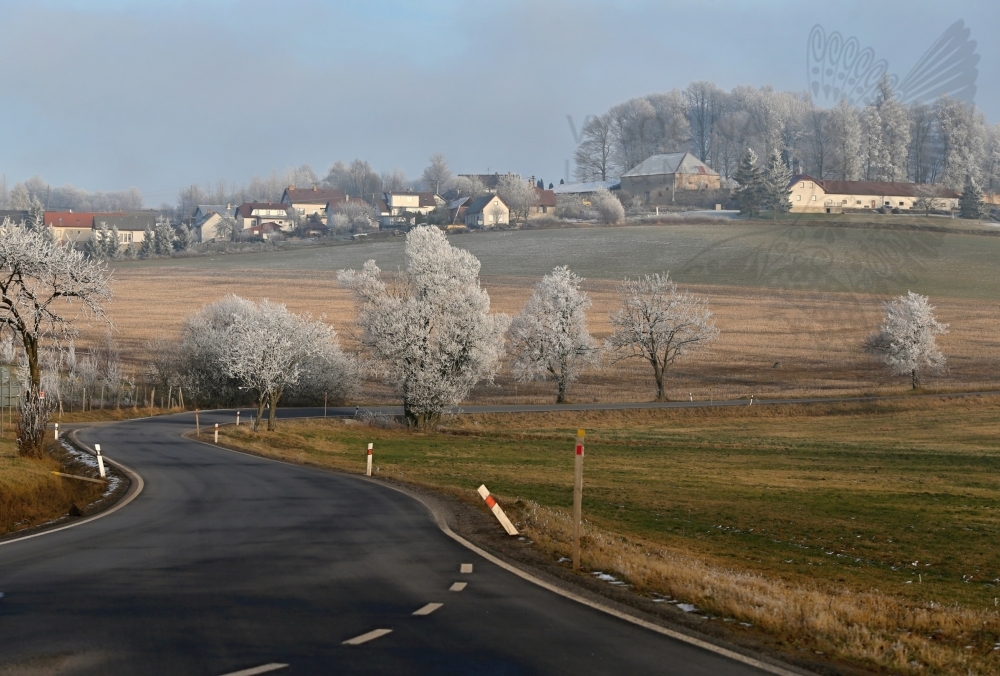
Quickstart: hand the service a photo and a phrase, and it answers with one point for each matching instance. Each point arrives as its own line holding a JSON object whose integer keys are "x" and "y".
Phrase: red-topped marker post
{"x": 368, "y": 469}
{"x": 578, "y": 497}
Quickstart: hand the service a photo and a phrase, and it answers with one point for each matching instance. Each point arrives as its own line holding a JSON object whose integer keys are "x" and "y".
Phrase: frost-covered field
{"x": 751, "y": 255}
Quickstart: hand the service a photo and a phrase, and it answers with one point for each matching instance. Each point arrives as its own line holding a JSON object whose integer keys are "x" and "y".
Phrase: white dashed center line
{"x": 370, "y": 636}
{"x": 458, "y": 586}
{"x": 466, "y": 568}
{"x": 262, "y": 669}
{"x": 428, "y": 609}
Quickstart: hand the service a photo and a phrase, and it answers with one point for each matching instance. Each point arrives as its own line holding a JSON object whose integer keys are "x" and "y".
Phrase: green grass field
{"x": 802, "y": 254}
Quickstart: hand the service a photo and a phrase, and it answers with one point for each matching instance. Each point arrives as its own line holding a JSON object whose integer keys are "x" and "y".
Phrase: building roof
{"x": 70, "y": 219}
{"x": 480, "y": 203}
{"x": 15, "y": 215}
{"x": 671, "y": 163}
{"x": 879, "y": 188}
{"x": 313, "y": 195}
{"x": 455, "y": 204}
{"x": 546, "y": 198}
{"x": 204, "y": 210}
{"x": 127, "y": 220}
{"x": 583, "y": 188}
{"x": 246, "y": 209}
{"x": 427, "y": 199}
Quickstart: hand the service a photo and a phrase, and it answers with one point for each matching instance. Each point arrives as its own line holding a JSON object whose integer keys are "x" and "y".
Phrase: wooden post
{"x": 324, "y": 404}
{"x": 197, "y": 424}
{"x": 578, "y": 497}
{"x": 152, "y": 398}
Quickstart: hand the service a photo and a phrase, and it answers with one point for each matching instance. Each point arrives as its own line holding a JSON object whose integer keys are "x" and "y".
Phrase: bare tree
{"x": 393, "y": 181}
{"x": 430, "y": 335}
{"x": 593, "y": 157}
{"x": 518, "y": 195}
{"x": 656, "y": 324}
{"x": 38, "y": 281}
{"x": 437, "y": 175}
{"x": 905, "y": 342}
{"x": 549, "y": 338}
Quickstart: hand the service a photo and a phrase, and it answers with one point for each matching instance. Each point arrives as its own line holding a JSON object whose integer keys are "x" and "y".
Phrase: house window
{"x": 802, "y": 184}
{"x": 798, "y": 198}
{"x": 843, "y": 202}
{"x": 814, "y": 198}
{"x": 858, "y": 202}
{"x": 810, "y": 184}
{"x": 900, "y": 204}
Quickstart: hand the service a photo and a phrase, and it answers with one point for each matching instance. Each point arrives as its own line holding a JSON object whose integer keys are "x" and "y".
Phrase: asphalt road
{"x": 226, "y": 562}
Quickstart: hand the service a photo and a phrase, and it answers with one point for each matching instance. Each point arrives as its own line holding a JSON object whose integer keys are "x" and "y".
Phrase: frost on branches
{"x": 263, "y": 348}
{"x": 657, "y": 324}
{"x": 549, "y": 338}
{"x": 430, "y": 333}
{"x": 39, "y": 282}
{"x": 905, "y": 341}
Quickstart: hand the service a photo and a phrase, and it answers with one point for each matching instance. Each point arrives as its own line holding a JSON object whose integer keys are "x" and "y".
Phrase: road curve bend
{"x": 228, "y": 563}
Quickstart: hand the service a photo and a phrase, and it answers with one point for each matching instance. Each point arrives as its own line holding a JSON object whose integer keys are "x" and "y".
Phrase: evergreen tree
{"x": 775, "y": 182}
{"x": 183, "y": 238}
{"x": 112, "y": 245}
{"x": 540, "y": 184}
{"x": 36, "y": 220}
{"x": 971, "y": 201}
{"x": 148, "y": 247}
{"x": 750, "y": 193}
{"x": 163, "y": 240}
{"x": 96, "y": 247}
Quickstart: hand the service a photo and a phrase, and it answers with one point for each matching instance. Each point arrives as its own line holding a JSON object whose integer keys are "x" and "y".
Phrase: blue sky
{"x": 108, "y": 94}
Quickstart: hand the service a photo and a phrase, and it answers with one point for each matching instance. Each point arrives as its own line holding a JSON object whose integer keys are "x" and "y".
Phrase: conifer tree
{"x": 750, "y": 193}
{"x": 148, "y": 247}
{"x": 971, "y": 201}
{"x": 776, "y": 179}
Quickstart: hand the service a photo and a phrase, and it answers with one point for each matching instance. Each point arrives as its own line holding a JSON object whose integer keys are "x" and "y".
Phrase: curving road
{"x": 226, "y": 562}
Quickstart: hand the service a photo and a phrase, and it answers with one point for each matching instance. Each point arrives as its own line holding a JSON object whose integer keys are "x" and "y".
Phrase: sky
{"x": 109, "y": 94}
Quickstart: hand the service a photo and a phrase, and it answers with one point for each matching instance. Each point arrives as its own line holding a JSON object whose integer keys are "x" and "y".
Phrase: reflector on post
{"x": 497, "y": 512}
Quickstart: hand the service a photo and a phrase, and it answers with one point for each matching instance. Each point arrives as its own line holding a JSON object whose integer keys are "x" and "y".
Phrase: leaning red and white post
{"x": 484, "y": 492}
{"x": 100, "y": 460}
{"x": 578, "y": 497}
{"x": 368, "y": 468}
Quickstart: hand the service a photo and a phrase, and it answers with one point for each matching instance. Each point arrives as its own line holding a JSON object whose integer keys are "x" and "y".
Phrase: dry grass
{"x": 772, "y": 343}
{"x": 859, "y": 531}
{"x": 31, "y": 495}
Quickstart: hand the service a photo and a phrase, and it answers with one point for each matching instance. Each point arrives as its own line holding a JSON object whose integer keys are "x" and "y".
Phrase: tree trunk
{"x": 915, "y": 379}
{"x": 34, "y": 413}
{"x": 260, "y": 412}
{"x": 273, "y": 412}
{"x": 561, "y": 397}
{"x": 658, "y": 372}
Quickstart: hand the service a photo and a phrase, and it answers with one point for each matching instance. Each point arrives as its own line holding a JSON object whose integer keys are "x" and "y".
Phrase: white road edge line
{"x": 428, "y": 609}
{"x": 370, "y": 636}
{"x": 458, "y": 586}
{"x": 132, "y": 474}
{"x": 262, "y": 669}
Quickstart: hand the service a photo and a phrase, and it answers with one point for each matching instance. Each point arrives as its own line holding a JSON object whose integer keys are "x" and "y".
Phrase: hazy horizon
{"x": 117, "y": 93}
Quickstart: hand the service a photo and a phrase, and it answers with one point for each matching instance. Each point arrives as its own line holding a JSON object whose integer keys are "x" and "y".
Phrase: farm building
{"x": 546, "y": 205}
{"x": 584, "y": 190}
{"x": 811, "y": 195}
{"x": 658, "y": 178}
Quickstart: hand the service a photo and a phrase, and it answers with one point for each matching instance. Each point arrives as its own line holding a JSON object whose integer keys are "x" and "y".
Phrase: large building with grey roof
{"x": 657, "y": 179}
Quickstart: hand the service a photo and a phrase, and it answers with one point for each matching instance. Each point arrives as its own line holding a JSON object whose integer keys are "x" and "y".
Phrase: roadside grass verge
{"x": 864, "y": 532}
{"x": 31, "y": 495}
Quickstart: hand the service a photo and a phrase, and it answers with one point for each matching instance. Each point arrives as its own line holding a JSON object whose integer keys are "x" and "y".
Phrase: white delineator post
{"x": 216, "y": 432}
{"x": 100, "y": 460}
{"x": 578, "y": 497}
{"x": 197, "y": 423}
{"x": 368, "y": 469}
{"x": 237, "y": 418}
{"x": 57, "y": 431}
{"x": 497, "y": 512}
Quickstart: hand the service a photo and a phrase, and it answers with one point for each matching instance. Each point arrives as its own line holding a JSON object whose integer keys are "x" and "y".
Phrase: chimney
{"x": 314, "y": 188}
{"x": 291, "y": 187}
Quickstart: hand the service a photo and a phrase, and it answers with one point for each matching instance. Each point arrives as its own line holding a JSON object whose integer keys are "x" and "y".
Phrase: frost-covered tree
{"x": 183, "y": 238}
{"x": 430, "y": 333}
{"x": 844, "y": 129}
{"x": 20, "y": 198}
{"x": 236, "y": 344}
{"x": 609, "y": 208}
{"x": 905, "y": 342}
{"x": 36, "y": 220}
{"x": 357, "y": 215}
{"x": 148, "y": 247}
{"x": 519, "y": 195}
{"x": 971, "y": 201}
{"x": 469, "y": 186}
{"x": 549, "y": 338}
{"x": 750, "y": 194}
{"x": 163, "y": 237}
{"x": 38, "y": 282}
{"x": 656, "y": 324}
{"x": 775, "y": 184}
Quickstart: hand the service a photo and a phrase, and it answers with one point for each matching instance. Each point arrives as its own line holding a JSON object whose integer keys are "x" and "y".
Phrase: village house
{"x": 131, "y": 225}
{"x": 811, "y": 195}
{"x": 546, "y": 204}
{"x": 206, "y": 219}
{"x": 399, "y": 209}
{"x": 253, "y": 214}
{"x": 312, "y": 203}
{"x": 70, "y": 227}
{"x": 657, "y": 179}
{"x": 487, "y": 211}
